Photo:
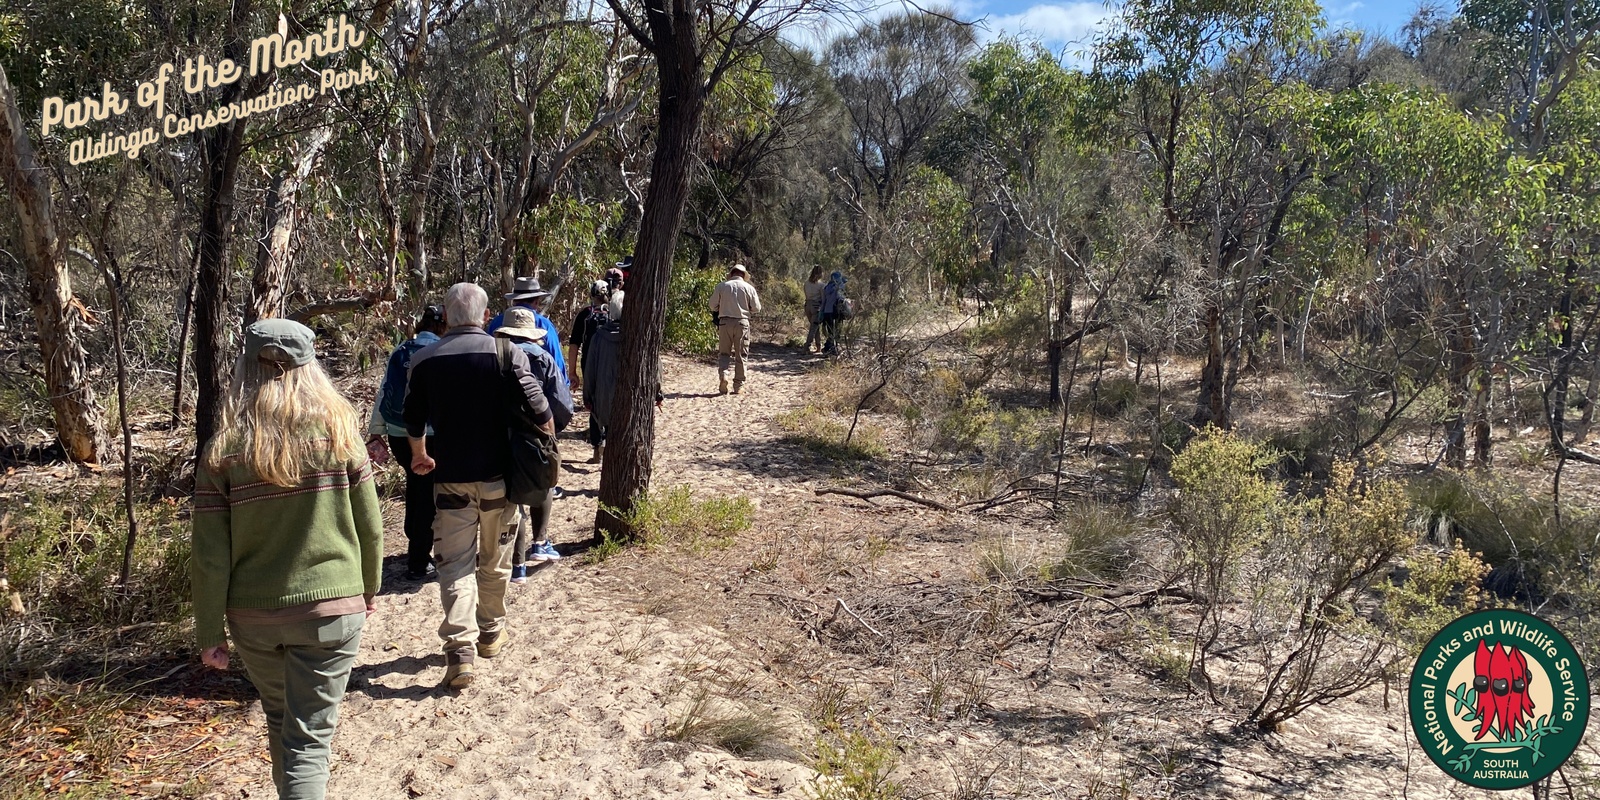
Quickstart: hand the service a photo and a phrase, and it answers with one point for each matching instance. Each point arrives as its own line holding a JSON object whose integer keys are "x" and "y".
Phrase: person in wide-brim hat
{"x": 526, "y": 289}
{"x": 521, "y": 322}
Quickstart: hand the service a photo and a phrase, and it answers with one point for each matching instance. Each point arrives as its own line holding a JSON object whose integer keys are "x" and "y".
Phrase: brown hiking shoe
{"x": 490, "y": 647}
{"x": 722, "y": 386}
{"x": 457, "y": 673}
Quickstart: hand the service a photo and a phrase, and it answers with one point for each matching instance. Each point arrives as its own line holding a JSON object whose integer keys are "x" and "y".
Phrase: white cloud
{"x": 1053, "y": 24}
{"x": 1065, "y": 27}
{"x": 1068, "y": 28}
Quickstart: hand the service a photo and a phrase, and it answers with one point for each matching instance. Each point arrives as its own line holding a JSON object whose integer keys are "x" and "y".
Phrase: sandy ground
{"x": 605, "y": 656}
{"x": 575, "y": 704}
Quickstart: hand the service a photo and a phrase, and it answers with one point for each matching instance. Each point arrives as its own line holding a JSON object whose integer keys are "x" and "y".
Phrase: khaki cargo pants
{"x": 472, "y": 551}
{"x": 733, "y": 340}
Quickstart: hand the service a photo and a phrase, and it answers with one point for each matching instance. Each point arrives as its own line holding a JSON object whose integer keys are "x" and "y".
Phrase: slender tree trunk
{"x": 1563, "y": 358}
{"x": 1212, "y": 408}
{"x": 391, "y": 227}
{"x": 113, "y": 276}
{"x": 56, "y": 311}
{"x": 417, "y": 181}
{"x": 278, "y": 220}
{"x": 211, "y": 363}
{"x": 223, "y": 147}
{"x": 1591, "y": 396}
{"x": 625, "y": 474}
{"x": 1463, "y": 364}
{"x": 185, "y": 322}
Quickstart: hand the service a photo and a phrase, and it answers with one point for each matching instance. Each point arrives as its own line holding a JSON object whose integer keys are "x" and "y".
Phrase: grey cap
{"x": 282, "y": 341}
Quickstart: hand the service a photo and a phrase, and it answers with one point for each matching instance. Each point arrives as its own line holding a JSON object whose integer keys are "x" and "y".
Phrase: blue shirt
{"x": 551, "y": 343}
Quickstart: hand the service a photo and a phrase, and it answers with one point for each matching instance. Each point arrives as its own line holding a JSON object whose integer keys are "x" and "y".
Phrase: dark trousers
{"x": 419, "y": 507}
{"x": 597, "y": 432}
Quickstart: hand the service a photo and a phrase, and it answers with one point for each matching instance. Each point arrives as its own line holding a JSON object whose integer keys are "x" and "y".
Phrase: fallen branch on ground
{"x": 888, "y": 493}
{"x": 840, "y": 606}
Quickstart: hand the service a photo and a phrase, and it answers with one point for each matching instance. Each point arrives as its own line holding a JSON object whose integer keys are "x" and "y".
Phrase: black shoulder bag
{"x": 535, "y": 462}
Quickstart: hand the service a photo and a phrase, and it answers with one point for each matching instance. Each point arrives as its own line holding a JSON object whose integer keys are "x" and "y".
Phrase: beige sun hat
{"x": 521, "y": 323}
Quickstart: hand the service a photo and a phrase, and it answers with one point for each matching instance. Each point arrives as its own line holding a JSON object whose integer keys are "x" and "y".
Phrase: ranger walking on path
{"x": 733, "y": 302}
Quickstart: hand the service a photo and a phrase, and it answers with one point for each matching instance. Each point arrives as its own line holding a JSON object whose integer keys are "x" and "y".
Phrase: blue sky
{"x": 1067, "y": 25}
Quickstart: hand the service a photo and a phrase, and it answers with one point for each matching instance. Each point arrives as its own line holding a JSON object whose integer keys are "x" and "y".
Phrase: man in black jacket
{"x": 456, "y": 388}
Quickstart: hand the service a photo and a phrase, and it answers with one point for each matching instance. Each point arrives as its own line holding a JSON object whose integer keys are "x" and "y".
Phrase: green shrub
{"x": 1298, "y": 566}
{"x": 782, "y": 297}
{"x": 1487, "y": 515}
{"x": 689, "y": 328}
{"x": 674, "y": 516}
{"x": 1435, "y": 589}
{"x": 1223, "y": 508}
{"x": 854, "y": 766}
{"x": 63, "y": 556}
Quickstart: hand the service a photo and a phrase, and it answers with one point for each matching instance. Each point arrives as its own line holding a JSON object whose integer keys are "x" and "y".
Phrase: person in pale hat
{"x": 528, "y": 523}
{"x": 287, "y": 550}
{"x": 527, "y": 293}
{"x": 733, "y": 302}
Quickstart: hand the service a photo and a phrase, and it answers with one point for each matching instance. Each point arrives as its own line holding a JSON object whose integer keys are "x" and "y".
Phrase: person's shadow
{"x": 395, "y": 580}
{"x": 363, "y": 678}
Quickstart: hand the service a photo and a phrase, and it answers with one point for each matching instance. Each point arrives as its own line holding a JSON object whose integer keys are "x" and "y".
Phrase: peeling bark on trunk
{"x": 273, "y": 250}
{"x": 58, "y": 314}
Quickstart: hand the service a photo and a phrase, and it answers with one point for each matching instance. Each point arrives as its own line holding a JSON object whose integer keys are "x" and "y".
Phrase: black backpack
{"x": 535, "y": 460}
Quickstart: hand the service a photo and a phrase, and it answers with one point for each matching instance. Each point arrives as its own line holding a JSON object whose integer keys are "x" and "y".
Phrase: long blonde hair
{"x": 279, "y": 421}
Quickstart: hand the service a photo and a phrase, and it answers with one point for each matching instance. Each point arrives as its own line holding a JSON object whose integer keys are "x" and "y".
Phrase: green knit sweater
{"x": 257, "y": 545}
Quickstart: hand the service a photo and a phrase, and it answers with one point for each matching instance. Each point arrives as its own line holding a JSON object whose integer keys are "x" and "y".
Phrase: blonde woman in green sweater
{"x": 288, "y": 546}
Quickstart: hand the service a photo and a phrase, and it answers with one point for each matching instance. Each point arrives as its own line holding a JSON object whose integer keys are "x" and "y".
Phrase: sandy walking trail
{"x": 575, "y": 705}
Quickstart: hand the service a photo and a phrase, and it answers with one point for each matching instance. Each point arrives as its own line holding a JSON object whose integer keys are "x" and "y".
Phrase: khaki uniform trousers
{"x": 733, "y": 341}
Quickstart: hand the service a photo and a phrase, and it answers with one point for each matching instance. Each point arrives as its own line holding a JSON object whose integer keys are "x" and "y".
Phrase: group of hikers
{"x": 287, "y": 527}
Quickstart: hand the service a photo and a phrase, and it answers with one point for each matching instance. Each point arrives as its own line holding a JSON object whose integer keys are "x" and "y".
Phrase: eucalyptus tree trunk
{"x": 222, "y": 148}
{"x": 58, "y": 314}
{"x": 626, "y": 471}
{"x": 278, "y": 220}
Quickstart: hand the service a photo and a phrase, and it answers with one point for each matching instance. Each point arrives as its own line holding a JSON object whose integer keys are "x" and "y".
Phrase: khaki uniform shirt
{"x": 735, "y": 298}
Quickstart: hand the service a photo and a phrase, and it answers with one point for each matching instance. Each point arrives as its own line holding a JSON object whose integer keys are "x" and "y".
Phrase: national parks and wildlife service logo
{"x": 1499, "y": 699}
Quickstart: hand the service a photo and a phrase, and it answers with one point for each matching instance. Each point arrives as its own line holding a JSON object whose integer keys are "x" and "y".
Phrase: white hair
{"x": 464, "y": 304}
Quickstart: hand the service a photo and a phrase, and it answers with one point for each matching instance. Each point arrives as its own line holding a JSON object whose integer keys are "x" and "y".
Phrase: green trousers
{"x": 300, "y": 669}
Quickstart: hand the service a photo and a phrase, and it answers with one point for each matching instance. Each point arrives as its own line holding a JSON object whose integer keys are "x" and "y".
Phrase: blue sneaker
{"x": 544, "y": 551}
{"x": 519, "y": 574}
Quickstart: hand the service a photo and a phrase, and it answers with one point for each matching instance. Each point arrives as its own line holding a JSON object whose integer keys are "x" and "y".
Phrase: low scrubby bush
{"x": 1301, "y": 568}
{"x": 62, "y": 557}
{"x": 674, "y": 516}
